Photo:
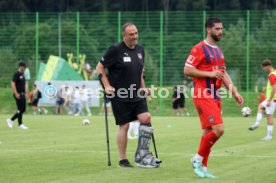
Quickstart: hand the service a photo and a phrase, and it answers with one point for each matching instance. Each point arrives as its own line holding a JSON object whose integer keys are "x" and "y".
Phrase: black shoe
{"x": 125, "y": 164}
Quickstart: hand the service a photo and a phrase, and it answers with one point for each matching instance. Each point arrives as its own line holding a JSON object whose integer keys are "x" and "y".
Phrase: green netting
{"x": 167, "y": 37}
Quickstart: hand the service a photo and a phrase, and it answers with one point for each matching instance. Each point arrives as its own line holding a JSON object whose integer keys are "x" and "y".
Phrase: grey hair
{"x": 125, "y": 26}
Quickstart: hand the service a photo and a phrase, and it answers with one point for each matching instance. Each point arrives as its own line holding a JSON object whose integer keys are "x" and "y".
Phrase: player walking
{"x": 206, "y": 65}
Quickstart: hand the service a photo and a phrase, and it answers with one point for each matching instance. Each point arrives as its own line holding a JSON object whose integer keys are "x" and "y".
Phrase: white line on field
{"x": 161, "y": 153}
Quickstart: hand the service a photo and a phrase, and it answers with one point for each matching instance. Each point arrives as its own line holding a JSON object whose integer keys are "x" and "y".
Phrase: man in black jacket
{"x": 18, "y": 88}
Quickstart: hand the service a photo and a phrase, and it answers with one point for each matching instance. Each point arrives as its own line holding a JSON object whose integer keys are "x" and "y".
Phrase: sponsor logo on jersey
{"x": 190, "y": 59}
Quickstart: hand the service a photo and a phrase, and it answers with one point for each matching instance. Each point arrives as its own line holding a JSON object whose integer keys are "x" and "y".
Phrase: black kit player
{"x": 18, "y": 88}
{"x": 178, "y": 101}
{"x": 125, "y": 63}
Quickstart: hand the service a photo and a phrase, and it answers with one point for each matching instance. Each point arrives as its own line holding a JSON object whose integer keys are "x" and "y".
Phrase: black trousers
{"x": 21, "y": 107}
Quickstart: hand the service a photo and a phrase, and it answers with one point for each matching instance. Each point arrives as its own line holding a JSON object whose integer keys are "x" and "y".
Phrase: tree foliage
{"x": 130, "y": 5}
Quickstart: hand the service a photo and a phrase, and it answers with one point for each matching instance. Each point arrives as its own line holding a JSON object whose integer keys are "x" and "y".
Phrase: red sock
{"x": 206, "y": 156}
{"x": 206, "y": 144}
{"x": 201, "y": 141}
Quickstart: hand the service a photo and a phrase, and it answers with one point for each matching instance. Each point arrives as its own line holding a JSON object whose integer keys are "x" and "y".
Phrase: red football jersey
{"x": 205, "y": 57}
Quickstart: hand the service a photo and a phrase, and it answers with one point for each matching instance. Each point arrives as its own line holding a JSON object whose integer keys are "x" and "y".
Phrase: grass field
{"x": 59, "y": 149}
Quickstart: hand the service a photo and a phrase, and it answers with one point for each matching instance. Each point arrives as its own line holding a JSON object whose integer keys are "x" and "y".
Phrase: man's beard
{"x": 216, "y": 38}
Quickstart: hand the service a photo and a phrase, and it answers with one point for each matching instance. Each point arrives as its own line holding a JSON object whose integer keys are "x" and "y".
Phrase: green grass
{"x": 59, "y": 149}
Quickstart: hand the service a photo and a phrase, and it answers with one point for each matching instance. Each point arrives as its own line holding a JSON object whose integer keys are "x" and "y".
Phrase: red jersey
{"x": 205, "y": 57}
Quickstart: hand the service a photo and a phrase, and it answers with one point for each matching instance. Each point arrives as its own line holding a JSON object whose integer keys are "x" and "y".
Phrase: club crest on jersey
{"x": 21, "y": 77}
{"x": 211, "y": 119}
{"x": 140, "y": 56}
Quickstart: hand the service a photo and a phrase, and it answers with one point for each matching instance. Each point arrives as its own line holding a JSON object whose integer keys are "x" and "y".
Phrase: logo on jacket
{"x": 140, "y": 56}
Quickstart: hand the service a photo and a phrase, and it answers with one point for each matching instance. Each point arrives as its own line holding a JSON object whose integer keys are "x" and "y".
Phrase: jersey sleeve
{"x": 195, "y": 57}
{"x": 272, "y": 79}
{"x": 110, "y": 57}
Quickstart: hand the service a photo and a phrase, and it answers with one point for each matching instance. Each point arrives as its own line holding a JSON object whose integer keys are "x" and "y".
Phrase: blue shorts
{"x": 60, "y": 102}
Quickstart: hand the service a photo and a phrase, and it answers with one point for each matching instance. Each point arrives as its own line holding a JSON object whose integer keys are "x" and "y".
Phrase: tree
{"x": 233, "y": 45}
{"x": 48, "y": 41}
{"x": 262, "y": 45}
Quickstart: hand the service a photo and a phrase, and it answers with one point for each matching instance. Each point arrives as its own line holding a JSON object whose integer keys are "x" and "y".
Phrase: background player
{"x": 36, "y": 95}
{"x": 270, "y": 103}
{"x": 178, "y": 101}
{"x": 18, "y": 88}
